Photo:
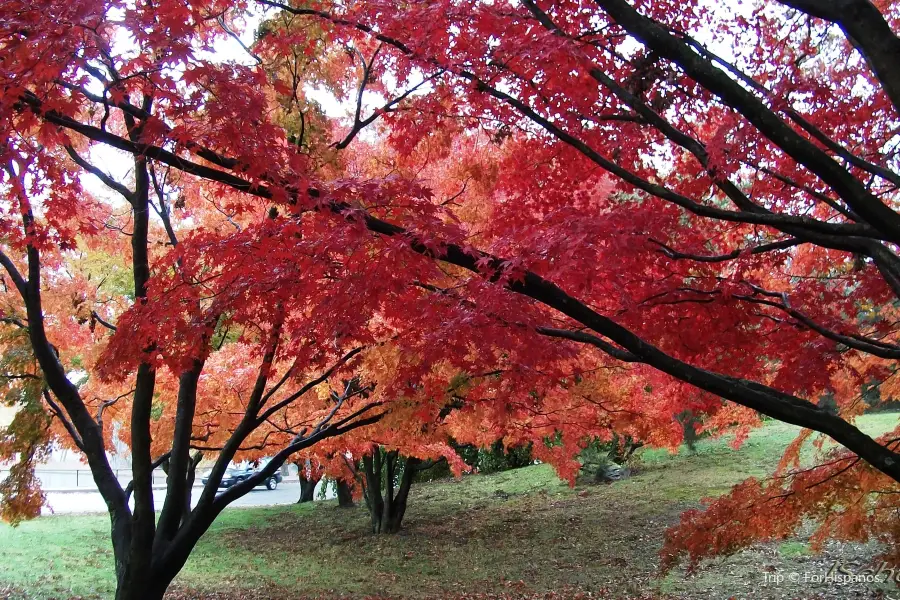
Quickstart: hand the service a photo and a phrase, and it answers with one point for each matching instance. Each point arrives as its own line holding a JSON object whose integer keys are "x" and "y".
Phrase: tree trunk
{"x": 381, "y": 475}
{"x": 344, "y": 494}
{"x": 155, "y": 590}
{"x": 689, "y": 421}
{"x": 135, "y": 579}
{"x": 132, "y": 569}
{"x": 374, "y": 501}
{"x": 389, "y": 524}
{"x": 191, "y": 477}
{"x": 307, "y": 489}
{"x": 623, "y": 448}
{"x": 309, "y": 477}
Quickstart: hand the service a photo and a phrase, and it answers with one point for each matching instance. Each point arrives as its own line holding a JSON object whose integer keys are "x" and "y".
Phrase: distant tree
{"x": 499, "y": 458}
{"x": 689, "y": 422}
{"x": 344, "y": 494}
{"x": 309, "y": 477}
{"x": 388, "y": 477}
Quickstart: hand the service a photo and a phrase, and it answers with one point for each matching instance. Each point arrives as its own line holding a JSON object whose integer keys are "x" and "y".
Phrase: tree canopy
{"x": 537, "y": 222}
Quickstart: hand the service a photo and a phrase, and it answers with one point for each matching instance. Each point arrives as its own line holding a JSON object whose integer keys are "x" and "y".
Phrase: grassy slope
{"x": 521, "y": 530}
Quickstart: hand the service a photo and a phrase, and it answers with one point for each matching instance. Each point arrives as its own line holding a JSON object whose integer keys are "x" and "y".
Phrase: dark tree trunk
{"x": 190, "y": 477}
{"x": 136, "y": 579}
{"x": 344, "y": 494}
{"x": 131, "y": 591}
{"x": 307, "y": 489}
{"x": 157, "y": 573}
{"x": 142, "y": 573}
{"x": 387, "y": 504}
{"x": 309, "y": 477}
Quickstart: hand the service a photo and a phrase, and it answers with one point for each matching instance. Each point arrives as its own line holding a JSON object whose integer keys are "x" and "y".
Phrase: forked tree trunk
{"x": 388, "y": 478}
{"x": 151, "y": 582}
{"x": 135, "y": 580}
{"x": 142, "y": 573}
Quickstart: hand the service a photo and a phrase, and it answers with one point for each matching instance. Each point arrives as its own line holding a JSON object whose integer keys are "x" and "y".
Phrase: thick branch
{"x": 762, "y": 248}
{"x": 103, "y": 321}
{"x": 867, "y": 29}
{"x": 587, "y": 338}
{"x": 180, "y": 461}
{"x": 99, "y": 174}
{"x": 657, "y": 38}
{"x": 857, "y": 342}
{"x": 747, "y": 393}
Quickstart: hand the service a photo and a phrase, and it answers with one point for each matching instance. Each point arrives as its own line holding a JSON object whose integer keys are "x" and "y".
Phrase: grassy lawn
{"x": 521, "y": 531}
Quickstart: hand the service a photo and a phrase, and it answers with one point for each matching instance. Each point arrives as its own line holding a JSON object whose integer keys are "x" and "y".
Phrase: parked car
{"x": 236, "y": 475}
{"x": 273, "y": 480}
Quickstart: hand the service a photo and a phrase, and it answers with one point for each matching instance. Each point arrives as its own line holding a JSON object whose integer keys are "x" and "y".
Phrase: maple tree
{"x": 309, "y": 476}
{"x": 387, "y": 505}
{"x": 750, "y": 249}
{"x": 176, "y": 318}
{"x": 558, "y": 221}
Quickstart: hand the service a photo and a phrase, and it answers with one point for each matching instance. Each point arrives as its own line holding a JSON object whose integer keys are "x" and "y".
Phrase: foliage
{"x": 595, "y": 459}
{"x": 26, "y": 438}
{"x": 496, "y": 458}
{"x": 538, "y": 221}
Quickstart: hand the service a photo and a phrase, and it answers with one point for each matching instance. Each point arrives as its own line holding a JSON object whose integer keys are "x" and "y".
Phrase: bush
{"x": 497, "y": 458}
{"x": 482, "y": 460}
{"x": 605, "y": 461}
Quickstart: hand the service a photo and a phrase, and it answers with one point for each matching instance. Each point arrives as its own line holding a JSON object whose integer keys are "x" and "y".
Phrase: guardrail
{"x": 81, "y": 479}
{"x": 52, "y": 479}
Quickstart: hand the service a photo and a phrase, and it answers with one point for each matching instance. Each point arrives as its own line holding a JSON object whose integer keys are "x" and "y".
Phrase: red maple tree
{"x": 698, "y": 204}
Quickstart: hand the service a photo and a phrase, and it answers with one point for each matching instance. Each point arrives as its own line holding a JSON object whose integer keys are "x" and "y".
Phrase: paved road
{"x": 92, "y": 502}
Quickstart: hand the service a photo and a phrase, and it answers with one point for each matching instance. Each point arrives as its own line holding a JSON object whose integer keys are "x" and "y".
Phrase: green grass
{"x": 520, "y": 530}
{"x": 58, "y": 555}
{"x": 792, "y": 549}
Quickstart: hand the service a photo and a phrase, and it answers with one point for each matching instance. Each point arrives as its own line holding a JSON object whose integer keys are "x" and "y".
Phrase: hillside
{"x": 517, "y": 533}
